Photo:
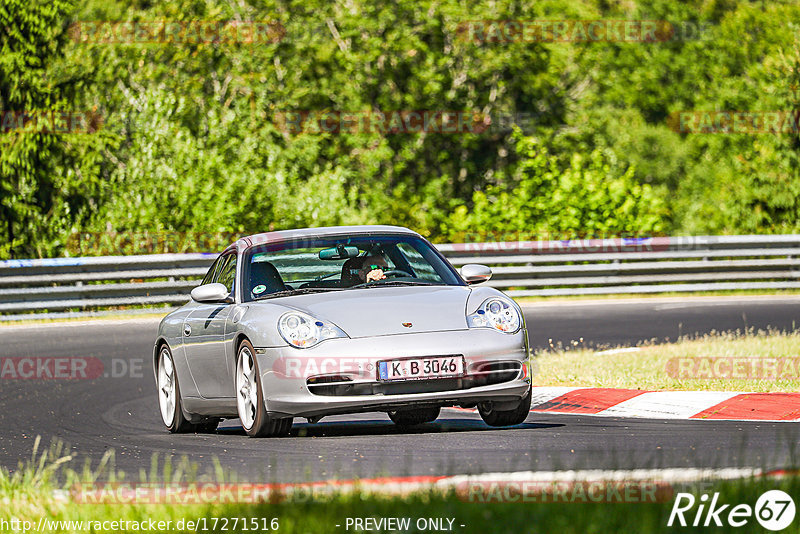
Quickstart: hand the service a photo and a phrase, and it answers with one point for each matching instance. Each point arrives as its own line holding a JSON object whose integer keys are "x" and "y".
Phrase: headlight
{"x": 303, "y": 331}
{"x": 497, "y": 314}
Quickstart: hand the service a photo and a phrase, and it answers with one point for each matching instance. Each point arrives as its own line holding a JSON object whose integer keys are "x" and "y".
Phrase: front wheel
{"x": 250, "y": 398}
{"x": 169, "y": 394}
{"x": 493, "y": 417}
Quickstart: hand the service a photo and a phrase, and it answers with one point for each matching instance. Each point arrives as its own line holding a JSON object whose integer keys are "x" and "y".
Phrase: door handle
{"x": 187, "y": 330}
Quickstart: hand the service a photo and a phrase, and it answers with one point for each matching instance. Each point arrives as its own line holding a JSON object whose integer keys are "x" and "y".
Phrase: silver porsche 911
{"x": 323, "y": 321}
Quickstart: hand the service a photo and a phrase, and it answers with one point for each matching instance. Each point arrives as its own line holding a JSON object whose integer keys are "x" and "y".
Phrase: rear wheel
{"x": 169, "y": 394}
{"x": 516, "y": 416}
{"x": 416, "y": 416}
{"x": 250, "y": 398}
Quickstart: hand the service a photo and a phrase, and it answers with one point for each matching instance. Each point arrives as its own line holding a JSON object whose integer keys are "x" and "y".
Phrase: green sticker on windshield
{"x": 259, "y": 289}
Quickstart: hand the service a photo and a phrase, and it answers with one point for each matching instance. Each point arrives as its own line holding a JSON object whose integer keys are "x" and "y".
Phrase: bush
{"x": 590, "y": 196}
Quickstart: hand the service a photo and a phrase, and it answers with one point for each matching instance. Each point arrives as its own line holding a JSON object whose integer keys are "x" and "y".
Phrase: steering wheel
{"x": 397, "y": 272}
{"x": 394, "y": 272}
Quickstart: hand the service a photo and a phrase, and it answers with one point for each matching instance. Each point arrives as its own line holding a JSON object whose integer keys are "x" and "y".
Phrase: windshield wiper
{"x": 299, "y": 291}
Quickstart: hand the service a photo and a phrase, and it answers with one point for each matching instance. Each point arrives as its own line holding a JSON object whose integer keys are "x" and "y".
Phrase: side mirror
{"x": 211, "y": 293}
{"x": 475, "y": 274}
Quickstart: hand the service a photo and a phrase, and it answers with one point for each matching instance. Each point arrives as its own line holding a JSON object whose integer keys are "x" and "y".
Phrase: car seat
{"x": 350, "y": 270}
{"x": 264, "y": 273}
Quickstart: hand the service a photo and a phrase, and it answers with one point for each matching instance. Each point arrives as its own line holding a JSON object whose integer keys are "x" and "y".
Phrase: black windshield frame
{"x": 448, "y": 274}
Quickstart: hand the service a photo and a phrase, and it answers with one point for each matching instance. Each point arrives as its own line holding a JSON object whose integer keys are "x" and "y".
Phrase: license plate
{"x": 420, "y": 368}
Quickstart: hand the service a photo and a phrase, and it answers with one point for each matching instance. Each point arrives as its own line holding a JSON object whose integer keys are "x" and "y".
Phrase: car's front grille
{"x": 482, "y": 374}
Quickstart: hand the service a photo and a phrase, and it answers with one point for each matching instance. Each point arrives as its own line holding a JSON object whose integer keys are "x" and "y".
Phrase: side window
{"x": 212, "y": 271}
{"x": 227, "y": 272}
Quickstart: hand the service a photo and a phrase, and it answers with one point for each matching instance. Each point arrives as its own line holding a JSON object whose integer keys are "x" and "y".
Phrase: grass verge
{"x": 28, "y": 499}
{"x": 752, "y": 362}
{"x": 120, "y": 315}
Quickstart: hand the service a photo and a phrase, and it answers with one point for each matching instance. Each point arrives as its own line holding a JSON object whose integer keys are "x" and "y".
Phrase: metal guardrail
{"x": 521, "y": 268}
{"x": 637, "y": 266}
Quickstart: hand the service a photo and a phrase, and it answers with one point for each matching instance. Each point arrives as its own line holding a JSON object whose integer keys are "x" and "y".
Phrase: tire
{"x": 513, "y": 417}
{"x": 250, "y": 398}
{"x": 415, "y": 416}
{"x": 169, "y": 394}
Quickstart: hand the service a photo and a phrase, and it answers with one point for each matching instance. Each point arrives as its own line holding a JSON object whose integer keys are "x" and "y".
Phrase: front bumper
{"x": 284, "y": 373}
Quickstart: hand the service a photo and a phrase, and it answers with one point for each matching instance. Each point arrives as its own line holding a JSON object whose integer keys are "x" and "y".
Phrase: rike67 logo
{"x": 774, "y": 510}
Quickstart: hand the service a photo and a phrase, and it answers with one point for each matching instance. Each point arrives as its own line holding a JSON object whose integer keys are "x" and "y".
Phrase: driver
{"x": 372, "y": 269}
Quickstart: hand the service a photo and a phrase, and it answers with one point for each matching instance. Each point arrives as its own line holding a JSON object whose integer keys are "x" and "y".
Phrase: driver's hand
{"x": 375, "y": 275}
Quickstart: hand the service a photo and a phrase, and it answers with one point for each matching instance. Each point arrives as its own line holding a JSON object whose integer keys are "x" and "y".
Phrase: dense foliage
{"x": 583, "y": 139}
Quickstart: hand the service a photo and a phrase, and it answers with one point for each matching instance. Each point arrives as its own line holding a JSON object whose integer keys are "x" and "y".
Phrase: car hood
{"x": 388, "y": 311}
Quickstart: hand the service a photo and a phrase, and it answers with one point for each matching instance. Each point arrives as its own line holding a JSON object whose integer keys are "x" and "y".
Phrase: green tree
{"x": 42, "y": 188}
{"x": 189, "y": 140}
{"x": 589, "y": 197}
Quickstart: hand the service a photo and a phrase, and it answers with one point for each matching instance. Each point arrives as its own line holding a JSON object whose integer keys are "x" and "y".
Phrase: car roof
{"x": 282, "y": 235}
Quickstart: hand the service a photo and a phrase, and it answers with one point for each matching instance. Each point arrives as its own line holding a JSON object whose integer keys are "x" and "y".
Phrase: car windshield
{"x": 341, "y": 263}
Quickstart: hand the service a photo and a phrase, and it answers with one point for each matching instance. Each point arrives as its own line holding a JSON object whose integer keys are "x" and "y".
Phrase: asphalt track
{"x": 120, "y": 413}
